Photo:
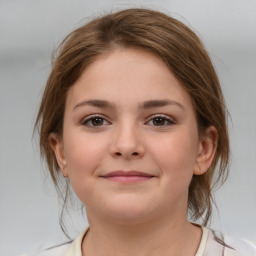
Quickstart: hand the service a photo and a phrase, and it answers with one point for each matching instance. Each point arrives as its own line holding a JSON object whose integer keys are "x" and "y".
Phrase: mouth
{"x": 127, "y": 176}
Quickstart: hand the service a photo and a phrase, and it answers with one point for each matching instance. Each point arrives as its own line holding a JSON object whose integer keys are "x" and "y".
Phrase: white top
{"x": 212, "y": 244}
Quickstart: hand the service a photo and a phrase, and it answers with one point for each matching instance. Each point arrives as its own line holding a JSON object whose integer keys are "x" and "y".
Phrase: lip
{"x": 127, "y": 176}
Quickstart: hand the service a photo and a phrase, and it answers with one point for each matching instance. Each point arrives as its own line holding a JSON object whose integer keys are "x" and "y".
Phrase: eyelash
{"x": 88, "y": 121}
{"x": 91, "y": 118}
{"x": 167, "y": 120}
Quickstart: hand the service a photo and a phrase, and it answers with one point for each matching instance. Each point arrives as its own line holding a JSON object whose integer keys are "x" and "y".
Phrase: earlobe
{"x": 56, "y": 144}
{"x": 206, "y": 150}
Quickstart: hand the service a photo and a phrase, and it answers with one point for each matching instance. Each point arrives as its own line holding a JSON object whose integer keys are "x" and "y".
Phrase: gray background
{"x": 29, "y": 30}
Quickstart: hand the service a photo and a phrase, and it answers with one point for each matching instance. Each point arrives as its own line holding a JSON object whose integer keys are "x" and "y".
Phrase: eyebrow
{"x": 160, "y": 103}
{"x": 145, "y": 105}
{"x": 95, "y": 103}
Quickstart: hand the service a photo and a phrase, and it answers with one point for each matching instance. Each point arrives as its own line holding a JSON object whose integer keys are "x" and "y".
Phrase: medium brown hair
{"x": 184, "y": 54}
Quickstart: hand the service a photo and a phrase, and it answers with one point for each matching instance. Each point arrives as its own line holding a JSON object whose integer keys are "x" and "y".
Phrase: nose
{"x": 127, "y": 143}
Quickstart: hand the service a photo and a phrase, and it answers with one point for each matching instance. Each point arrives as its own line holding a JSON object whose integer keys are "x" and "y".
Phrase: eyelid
{"x": 171, "y": 120}
{"x": 85, "y": 120}
{"x": 88, "y": 118}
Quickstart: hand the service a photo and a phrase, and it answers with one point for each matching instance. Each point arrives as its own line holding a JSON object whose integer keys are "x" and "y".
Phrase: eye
{"x": 94, "y": 121}
{"x": 160, "y": 121}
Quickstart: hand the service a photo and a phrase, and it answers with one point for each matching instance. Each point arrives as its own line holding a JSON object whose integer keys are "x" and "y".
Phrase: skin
{"x": 140, "y": 216}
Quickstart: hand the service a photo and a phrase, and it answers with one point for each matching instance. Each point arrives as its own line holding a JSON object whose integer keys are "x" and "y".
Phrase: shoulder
{"x": 230, "y": 245}
{"x": 56, "y": 251}
{"x": 67, "y": 249}
{"x": 242, "y": 246}
{"x": 59, "y": 250}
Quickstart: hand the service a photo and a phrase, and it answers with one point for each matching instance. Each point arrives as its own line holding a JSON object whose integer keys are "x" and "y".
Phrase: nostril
{"x": 133, "y": 154}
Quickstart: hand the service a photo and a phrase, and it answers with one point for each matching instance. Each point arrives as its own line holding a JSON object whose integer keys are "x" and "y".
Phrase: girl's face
{"x": 130, "y": 142}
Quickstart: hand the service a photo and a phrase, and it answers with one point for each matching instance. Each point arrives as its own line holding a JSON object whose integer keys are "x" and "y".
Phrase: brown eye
{"x": 97, "y": 121}
{"x": 159, "y": 121}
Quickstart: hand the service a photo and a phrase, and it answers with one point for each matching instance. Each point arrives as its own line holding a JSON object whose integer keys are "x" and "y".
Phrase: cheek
{"x": 176, "y": 156}
{"x": 83, "y": 157}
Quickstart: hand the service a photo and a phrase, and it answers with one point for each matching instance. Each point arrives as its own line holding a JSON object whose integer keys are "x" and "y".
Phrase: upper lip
{"x": 127, "y": 173}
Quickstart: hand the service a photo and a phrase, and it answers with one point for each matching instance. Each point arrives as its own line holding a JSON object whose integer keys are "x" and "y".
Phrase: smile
{"x": 127, "y": 176}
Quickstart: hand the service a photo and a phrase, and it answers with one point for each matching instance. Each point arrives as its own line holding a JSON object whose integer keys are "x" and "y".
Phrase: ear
{"x": 206, "y": 150}
{"x": 57, "y": 146}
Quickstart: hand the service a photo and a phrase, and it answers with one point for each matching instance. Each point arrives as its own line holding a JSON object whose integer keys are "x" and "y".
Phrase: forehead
{"x": 127, "y": 75}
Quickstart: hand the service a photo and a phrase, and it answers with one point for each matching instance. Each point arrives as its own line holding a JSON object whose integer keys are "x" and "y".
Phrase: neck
{"x": 161, "y": 237}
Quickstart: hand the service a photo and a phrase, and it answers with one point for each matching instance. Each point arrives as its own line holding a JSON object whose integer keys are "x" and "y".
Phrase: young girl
{"x": 134, "y": 118}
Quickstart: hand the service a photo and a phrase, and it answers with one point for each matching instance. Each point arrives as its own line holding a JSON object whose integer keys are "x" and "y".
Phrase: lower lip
{"x": 128, "y": 179}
